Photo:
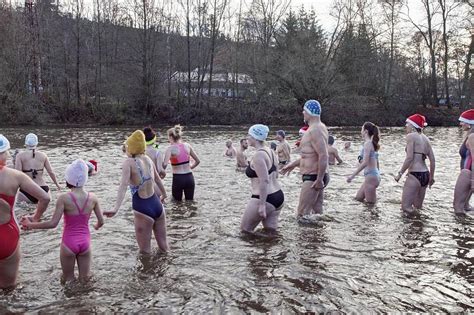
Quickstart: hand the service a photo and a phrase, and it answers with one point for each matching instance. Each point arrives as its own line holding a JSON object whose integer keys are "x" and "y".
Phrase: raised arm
{"x": 28, "y": 185}
{"x": 52, "y": 223}
{"x": 195, "y": 157}
{"x": 49, "y": 169}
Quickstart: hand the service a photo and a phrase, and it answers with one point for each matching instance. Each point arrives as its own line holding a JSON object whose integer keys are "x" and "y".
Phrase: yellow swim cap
{"x": 136, "y": 143}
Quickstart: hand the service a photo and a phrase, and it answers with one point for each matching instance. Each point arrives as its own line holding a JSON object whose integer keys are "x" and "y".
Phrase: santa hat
{"x": 417, "y": 121}
{"x": 94, "y": 163}
{"x": 303, "y": 130}
{"x": 467, "y": 117}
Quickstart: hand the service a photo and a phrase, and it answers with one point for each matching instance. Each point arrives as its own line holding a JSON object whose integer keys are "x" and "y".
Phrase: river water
{"x": 362, "y": 258}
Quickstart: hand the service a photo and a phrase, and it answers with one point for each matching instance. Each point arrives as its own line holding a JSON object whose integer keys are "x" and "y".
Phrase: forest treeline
{"x": 229, "y": 62}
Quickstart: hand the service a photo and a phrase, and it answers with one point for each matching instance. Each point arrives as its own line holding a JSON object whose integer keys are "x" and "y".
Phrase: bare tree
{"x": 431, "y": 8}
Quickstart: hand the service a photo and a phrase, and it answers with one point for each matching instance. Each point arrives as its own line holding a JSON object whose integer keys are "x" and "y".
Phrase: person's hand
{"x": 25, "y": 222}
{"x": 350, "y": 178}
{"x": 262, "y": 211}
{"x": 98, "y": 225}
{"x": 163, "y": 198}
{"x": 397, "y": 178}
{"x": 59, "y": 188}
{"x": 286, "y": 170}
{"x": 318, "y": 184}
{"x": 431, "y": 182}
{"x": 162, "y": 174}
{"x": 109, "y": 214}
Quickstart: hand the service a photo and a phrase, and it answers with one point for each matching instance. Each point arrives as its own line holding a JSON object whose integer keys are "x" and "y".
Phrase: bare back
{"x": 421, "y": 149}
{"x": 34, "y": 167}
{"x": 145, "y": 164}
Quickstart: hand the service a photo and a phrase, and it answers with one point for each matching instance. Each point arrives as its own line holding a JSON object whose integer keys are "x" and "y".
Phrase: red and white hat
{"x": 303, "y": 130}
{"x": 417, "y": 121}
{"x": 467, "y": 117}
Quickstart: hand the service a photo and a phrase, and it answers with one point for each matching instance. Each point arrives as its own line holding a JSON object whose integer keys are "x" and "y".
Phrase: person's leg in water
{"x": 143, "y": 229}
{"x": 411, "y": 189}
{"x": 462, "y": 192}
{"x": 371, "y": 183}
{"x": 251, "y": 218}
{"x": 176, "y": 188}
{"x": 9, "y": 269}
{"x": 159, "y": 229}
{"x": 310, "y": 201}
{"x": 360, "y": 195}
{"x": 68, "y": 260}
{"x": 84, "y": 265}
{"x": 189, "y": 188}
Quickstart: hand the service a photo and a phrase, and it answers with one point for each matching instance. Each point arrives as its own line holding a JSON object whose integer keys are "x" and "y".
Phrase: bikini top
{"x": 33, "y": 171}
{"x": 133, "y": 188}
{"x": 252, "y": 174}
{"x": 182, "y": 158}
{"x": 372, "y": 155}
{"x": 423, "y": 155}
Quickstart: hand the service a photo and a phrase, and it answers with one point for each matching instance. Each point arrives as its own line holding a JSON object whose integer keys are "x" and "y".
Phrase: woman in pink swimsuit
{"x": 77, "y": 206}
{"x": 10, "y": 182}
{"x": 178, "y": 154}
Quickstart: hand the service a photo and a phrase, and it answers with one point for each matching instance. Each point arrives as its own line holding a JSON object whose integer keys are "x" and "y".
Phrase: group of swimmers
{"x": 145, "y": 166}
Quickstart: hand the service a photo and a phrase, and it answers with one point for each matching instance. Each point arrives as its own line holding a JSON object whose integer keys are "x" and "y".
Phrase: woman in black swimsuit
{"x": 33, "y": 163}
{"x": 418, "y": 148}
{"x": 267, "y": 198}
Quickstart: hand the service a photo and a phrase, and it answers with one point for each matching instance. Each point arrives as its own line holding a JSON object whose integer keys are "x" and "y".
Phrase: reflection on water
{"x": 354, "y": 258}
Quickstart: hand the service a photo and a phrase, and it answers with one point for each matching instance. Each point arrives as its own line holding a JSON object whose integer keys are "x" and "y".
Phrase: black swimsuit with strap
{"x": 252, "y": 174}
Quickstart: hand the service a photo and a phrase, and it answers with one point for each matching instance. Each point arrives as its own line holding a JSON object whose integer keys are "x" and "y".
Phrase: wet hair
{"x": 149, "y": 133}
{"x": 273, "y": 146}
{"x": 242, "y": 140}
{"x": 176, "y": 132}
{"x": 374, "y": 132}
{"x": 330, "y": 140}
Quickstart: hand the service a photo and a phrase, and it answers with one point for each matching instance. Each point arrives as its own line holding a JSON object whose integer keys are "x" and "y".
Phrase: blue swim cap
{"x": 4, "y": 144}
{"x": 312, "y": 107}
{"x": 259, "y": 132}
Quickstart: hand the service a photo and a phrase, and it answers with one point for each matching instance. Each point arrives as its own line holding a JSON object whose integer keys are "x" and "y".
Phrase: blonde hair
{"x": 176, "y": 132}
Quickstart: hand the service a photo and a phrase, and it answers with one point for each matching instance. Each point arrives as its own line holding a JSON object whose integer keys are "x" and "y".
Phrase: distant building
{"x": 224, "y": 84}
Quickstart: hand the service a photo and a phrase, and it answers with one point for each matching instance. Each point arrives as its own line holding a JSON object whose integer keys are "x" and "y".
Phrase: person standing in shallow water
{"x": 230, "y": 150}
{"x": 178, "y": 154}
{"x": 283, "y": 149}
{"x": 465, "y": 182}
{"x": 33, "y": 163}
{"x": 313, "y": 163}
{"x": 267, "y": 197}
{"x": 418, "y": 148}
{"x": 10, "y": 182}
{"x": 241, "y": 157}
{"x": 333, "y": 153}
{"x": 369, "y": 162}
{"x": 149, "y": 215}
{"x": 77, "y": 207}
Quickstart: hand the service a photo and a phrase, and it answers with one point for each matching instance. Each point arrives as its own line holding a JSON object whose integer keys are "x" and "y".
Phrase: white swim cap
{"x": 259, "y": 132}
{"x": 31, "y": 140}
{"x": 4, "y": 144}
{"x": 77, "y": 173}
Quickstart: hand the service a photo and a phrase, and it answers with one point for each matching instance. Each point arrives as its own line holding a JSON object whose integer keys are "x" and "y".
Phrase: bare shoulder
{"x": 411, "y": 137}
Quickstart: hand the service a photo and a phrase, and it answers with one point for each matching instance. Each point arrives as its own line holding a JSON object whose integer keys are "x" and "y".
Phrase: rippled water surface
{"x": 362, "y": 258}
